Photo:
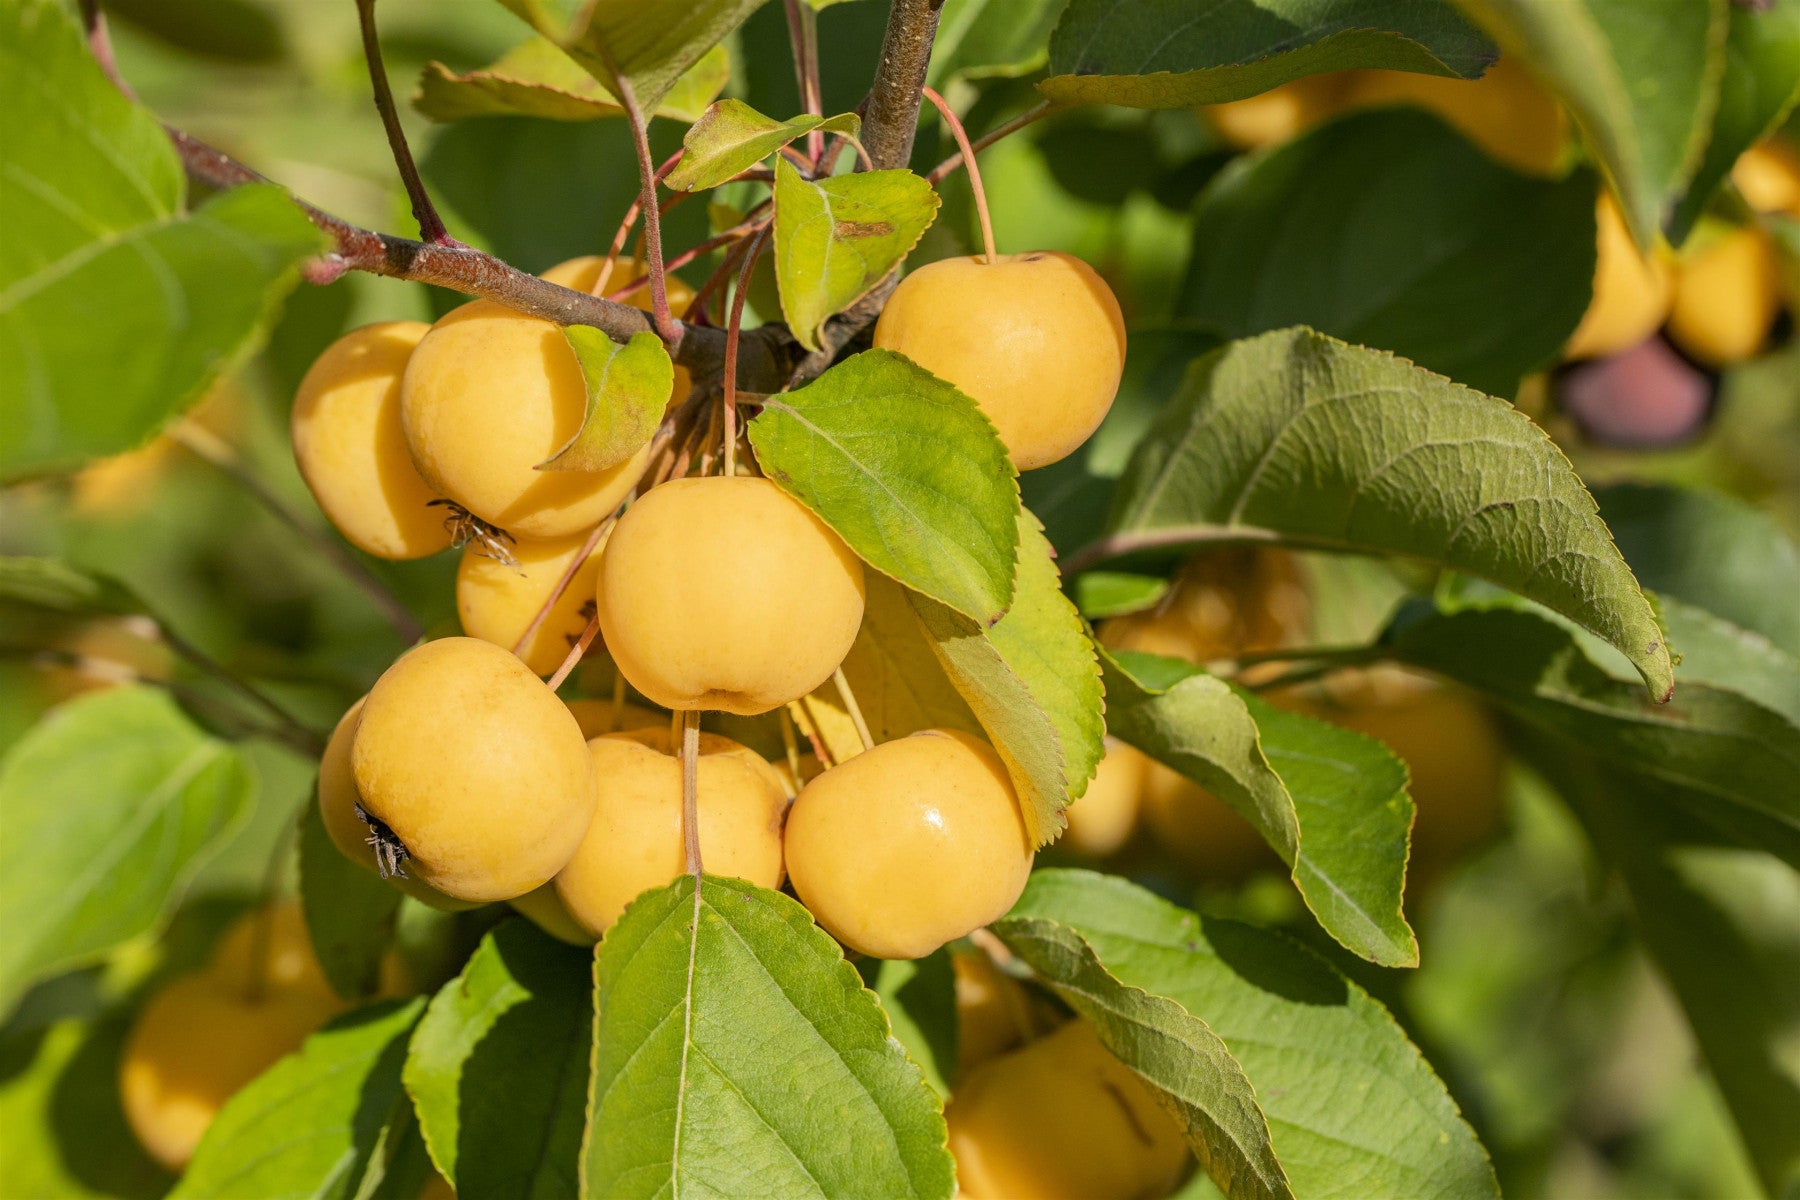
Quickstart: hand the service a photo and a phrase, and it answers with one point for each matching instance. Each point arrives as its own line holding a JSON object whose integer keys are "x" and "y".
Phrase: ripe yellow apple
{"x": 1062, "y": 1119}
{"x": 1279, "y": 114}
{"x": 1506, "y": 112}
{"x": 491, "y": 394}
{"x": 1037, "y": 340}
{"x": 352, "y": 451}
{"x": 543, "y": 908}
{"x": 727, "y": 593}
{"x": 475, "y": 768}
{"x": 597, "y": 717}
{"x": 271, "y": 948}
{"x": 992, "y": 1011}
{"x": 588, "y": 274}
{"x": 1201, "y": 831}
{"x": 1768, "y": 177}
{"x": 1727, "y": 296}
{"x": 497, "y": 600}
{"x": 1631, "y": 292}
{"x": 1103, "y": 819}
{"x": 909, "y": 845}
{"x": 195, "y": 1044}
{"x": 634, "y": 841}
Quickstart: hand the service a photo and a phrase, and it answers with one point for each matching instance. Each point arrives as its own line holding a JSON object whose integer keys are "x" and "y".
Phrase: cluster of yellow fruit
{"x": 466, "y": 780}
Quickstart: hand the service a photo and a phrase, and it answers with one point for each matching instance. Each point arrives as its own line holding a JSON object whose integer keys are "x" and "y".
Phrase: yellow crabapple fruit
{"x": 543, "y": 908}
{"x": 351, "y": 449}
{"x": 727, "y": 593}
{"x": 1200, "y": 830}
{"x": 497, "y": 600}
{"x": 1727, "y": 296}
{"x": 476, "y": 772}
{"x": 1037, "y": 340}
{"x": 489, "y": 396}
{"x": 1063, "y": 1119}
{"x": 588, "y": 274}
{"x": 271, "y": 947}
{"x": 1631, "y": 291}
{"x": 993, "y": 1013}
{"x": 1506, "y": 112}
{"x": 195, "y": 1044}
{"x": 1102, "y": 820}
{"x": 1279, "y": 114}
{"x": 599, "y": 716}
{"x": 910, "y": 844}
{"x": 634, "y": 841}
{"x": 338, "y": 800}
{"x": 1767, "y": 175}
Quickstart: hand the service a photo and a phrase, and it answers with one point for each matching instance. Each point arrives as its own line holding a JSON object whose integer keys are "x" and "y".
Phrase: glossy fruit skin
{"x": 1037, "y": 340}
{"x": 1103, "y": 819}
{"x": 476, "y": 767}
{"x": 1727, "y": 296}
{"x": 634, "y": 842}
{"x": 1506, "y": 112}
{"x": 195, "y": 1044}
{"x": 495, "y": 601}
{"x": 1062, "y": 1119}
{"x": 488, "y": 396}
{"x": 909, "y": 845}
{"x": 352, "y": 451}
{"x": 727, "y": 593}
{"x": 1280, "y": 114}
{"x": 584, "y": 274}
{"x": 1632, "y": 292}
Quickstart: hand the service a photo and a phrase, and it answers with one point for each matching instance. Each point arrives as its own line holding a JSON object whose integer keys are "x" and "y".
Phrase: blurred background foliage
{"x": 1537, "y": 1006}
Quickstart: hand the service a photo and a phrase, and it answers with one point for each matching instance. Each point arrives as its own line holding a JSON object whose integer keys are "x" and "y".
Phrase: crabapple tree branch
{"x": 431, "y": 226}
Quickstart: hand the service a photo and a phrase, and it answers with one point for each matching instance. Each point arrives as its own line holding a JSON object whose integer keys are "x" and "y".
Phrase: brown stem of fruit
{"x": 733, "y": 332}
{"x": 803, "y": 37}
{"x": 431, "y": 226}
{"x": 968, "y": 154}
{"x": 562, "y": 583}
{"x": 664, "y": 324}
{"x": 1035, "y": 113}
{"x": 690, "y": 793}
{"x": 580, "y": 648}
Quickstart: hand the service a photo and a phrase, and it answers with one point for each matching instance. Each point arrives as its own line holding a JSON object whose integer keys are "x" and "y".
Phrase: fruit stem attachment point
{"x": 576, "y": 651}
{"x": 968, "y": 153}
{"x": 851, "y": 707}
{"x": 690, "y": 792}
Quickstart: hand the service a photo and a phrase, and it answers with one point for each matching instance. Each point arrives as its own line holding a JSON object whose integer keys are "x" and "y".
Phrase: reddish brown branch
{"x": 431, "y": 226}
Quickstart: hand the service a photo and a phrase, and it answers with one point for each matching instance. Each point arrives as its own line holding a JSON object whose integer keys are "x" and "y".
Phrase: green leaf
{"x": 1298, "y": 438}
{"x": 1353, "y": 1108}
{"x": 1716, "y": 652}
{"x": 919, "y": 997}
{"x": 1332, "y": 803}
{"x": 1641, "y": 78}
{"x": 1734, "y": 757}
{"x": 1033, "y": 681}
{"x": 536, "y": 79}
{"x": 111, "y": 802}
{"x": 984, "y": 39}
{"x": 731, "y": 137}
{"x": 649, "y": 44}
{"x": 51, "y": 584}
{"x": 1760, "y": 85}
{"x": 737, "y": 1053}
{"x": 1116, "y": 593}
{"x": 839, "y": 237}
{"x": 628, "y": 390}
{"x": 1170, "y": 1047}
{"x": 907, "y": 470}
{"x": 498, "y": 1067}
{"x": 310, "y": 1125}
{"x": 1447, "y": 258}
{"x": 350, "y": 911}
{"x": 1171, "y": 54}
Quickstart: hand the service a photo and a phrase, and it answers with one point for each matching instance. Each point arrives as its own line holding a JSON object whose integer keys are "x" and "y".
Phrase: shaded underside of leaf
{"x": 350, "y": 911}
{"x": 536, "y": 79}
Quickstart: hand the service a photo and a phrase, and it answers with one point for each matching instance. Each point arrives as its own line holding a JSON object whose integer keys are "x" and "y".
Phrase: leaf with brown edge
{"x": 628, "y": 388}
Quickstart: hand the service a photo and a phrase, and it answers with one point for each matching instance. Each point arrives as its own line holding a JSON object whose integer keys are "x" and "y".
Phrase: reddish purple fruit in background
{"x": 1645, "y": 396}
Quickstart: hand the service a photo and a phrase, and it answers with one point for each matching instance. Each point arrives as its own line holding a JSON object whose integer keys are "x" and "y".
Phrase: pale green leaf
{"x": 1170, "y": 1047}
{"x": 1640, "y": 77}
{"x": 350, "y": 911}
{"x": 536, "y": 79}
{"x": 1299, "y": 438}
{"x": 837, "y": 238}
{"x": 1033, "y": 681}
{"x": 1352, "y": 1106}
{"x": 50, "y": 583}
{"x": 737, "y": 1053}
{"x": 907, "y": 470}
{"x": 1116, "y": 593}
{"x": 628, "y": 390}
{"x": 309, "y": 1127}
{"x": 731, "y": 137}
{"x": 112, "y": 801}
{"x": 1174, "y": 54}
{"x": 498, "y": 1067}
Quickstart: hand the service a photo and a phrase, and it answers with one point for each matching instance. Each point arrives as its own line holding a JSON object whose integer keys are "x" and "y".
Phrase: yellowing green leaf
{"x": 536, "y": 79}
{"x": 731, "y": 137}
{"x": 628, "y": 388}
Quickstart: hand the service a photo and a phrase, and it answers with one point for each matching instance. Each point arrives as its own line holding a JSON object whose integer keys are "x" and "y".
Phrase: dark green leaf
{"x": 839, "y": 237}
{"x": 907, "y": 470}
{"x": 1299, "y": 438}
{"x": 628, "y": 390}
{"x": 1032, "y": 680}
{"x": 919, "y": 997}
{"x": 737, "y": 1053}
{"x": 1445, "y": 257}
{"x": 1353, "y": 1108}
{"x": 350, "y": 911}
{"x": 1172, "y": 54}
{"x": 982, "y": 39}
{"x": 498, "y": 1067}
{"x": 731, "y": 137}
{"x": 310, "y": 1125}
{"x": 536, "y": 79}
{"x": 111, "y": 802}
{"x": 1167, "y": 1045}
